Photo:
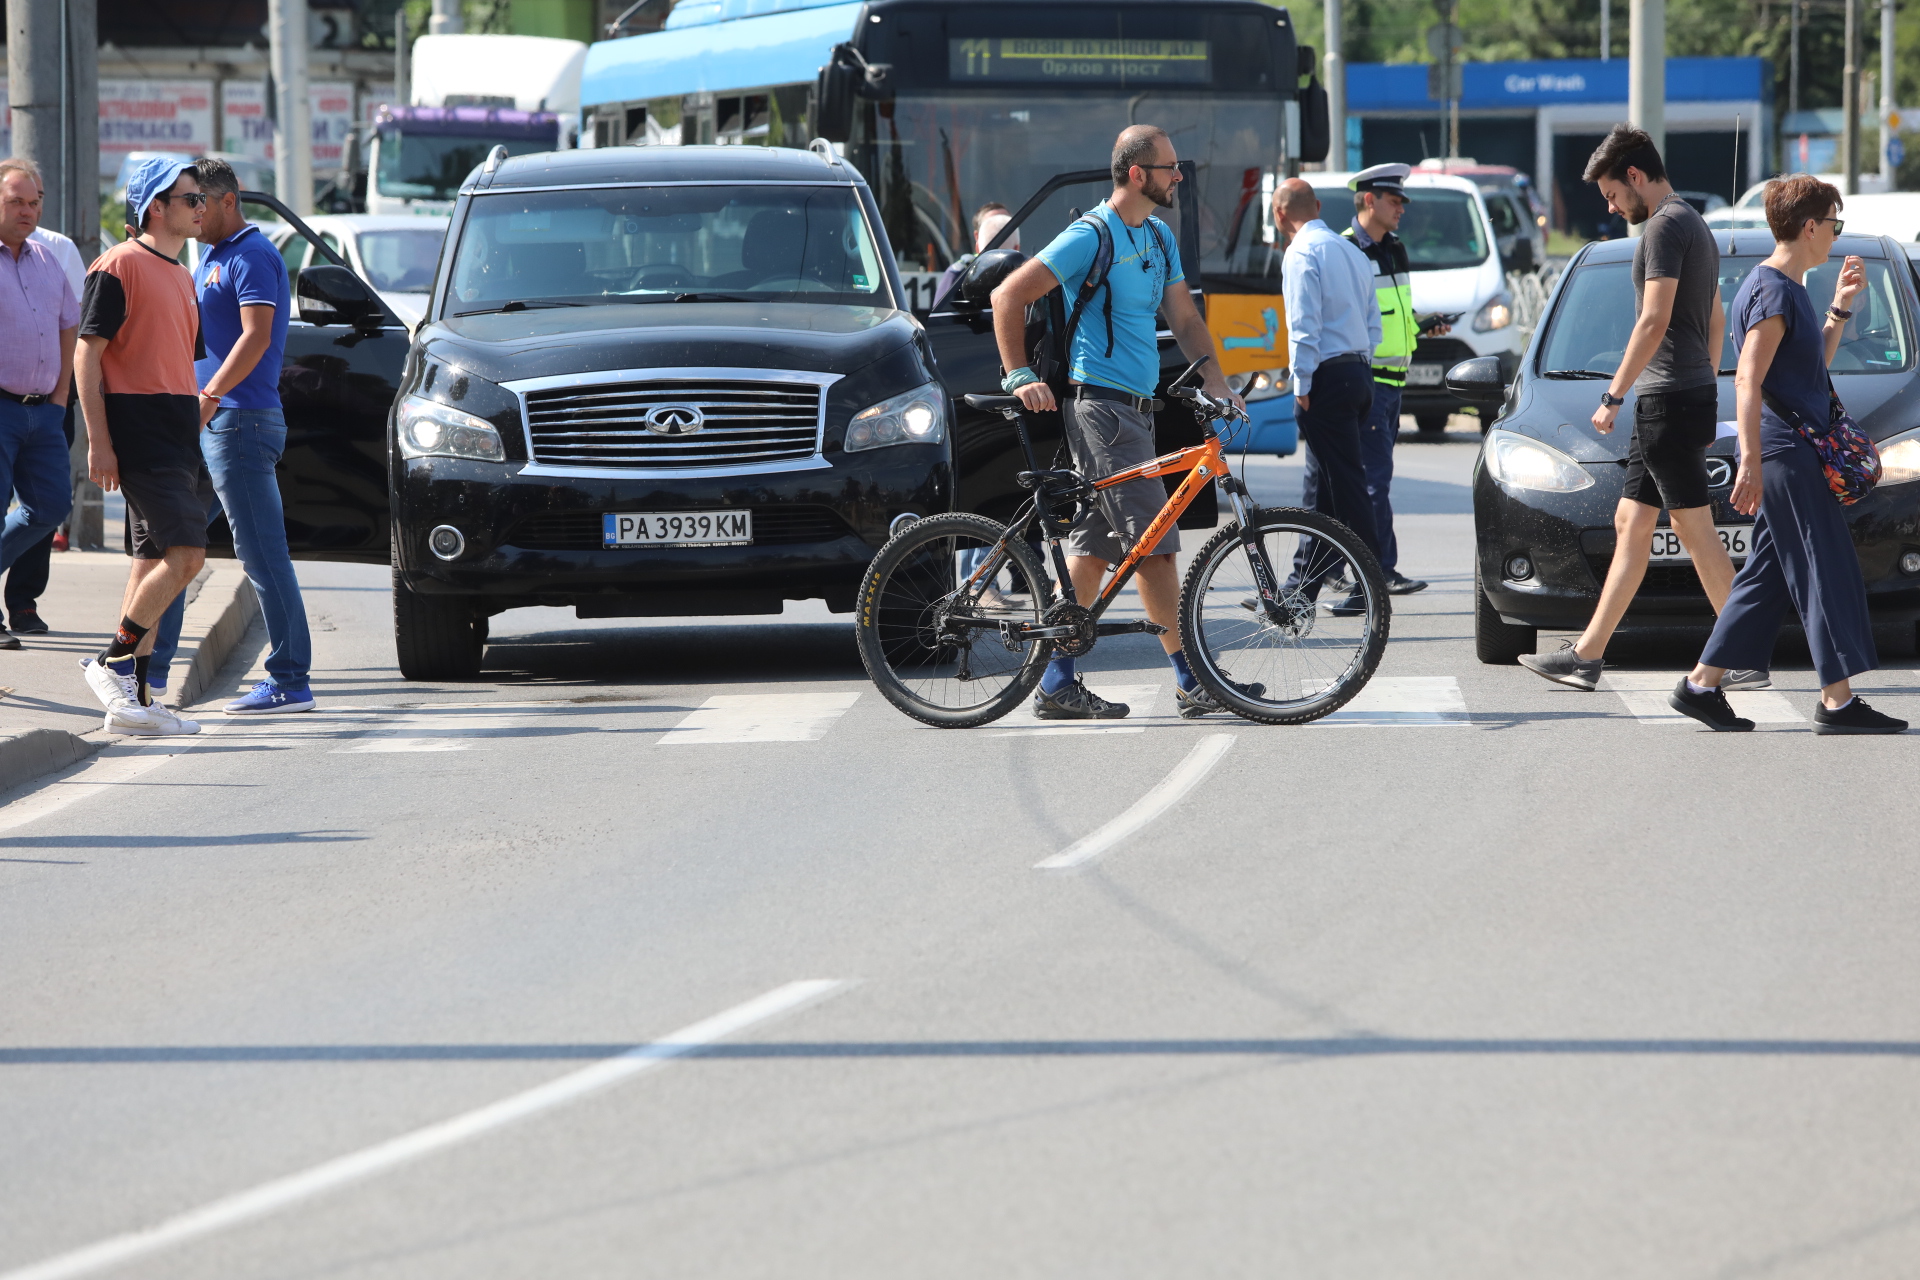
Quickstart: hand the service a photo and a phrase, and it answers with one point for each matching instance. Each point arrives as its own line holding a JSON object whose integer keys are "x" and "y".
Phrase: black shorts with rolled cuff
{"x": 1667, "y": 459}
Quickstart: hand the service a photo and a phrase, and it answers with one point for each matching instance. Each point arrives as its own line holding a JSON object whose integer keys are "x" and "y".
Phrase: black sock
{"x": 124, "y": 641}
{"x": 140, "y": 674}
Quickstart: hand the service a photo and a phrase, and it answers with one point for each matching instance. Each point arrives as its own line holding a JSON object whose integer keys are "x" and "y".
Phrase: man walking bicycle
{"x": 1113, "y": 367}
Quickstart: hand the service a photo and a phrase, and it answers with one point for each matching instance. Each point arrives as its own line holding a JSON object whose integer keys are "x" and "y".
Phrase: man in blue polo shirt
{"x": 244, "y": 305}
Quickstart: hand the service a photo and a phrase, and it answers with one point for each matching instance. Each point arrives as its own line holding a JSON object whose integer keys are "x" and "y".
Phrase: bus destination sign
{"x": 1079, "y": 61}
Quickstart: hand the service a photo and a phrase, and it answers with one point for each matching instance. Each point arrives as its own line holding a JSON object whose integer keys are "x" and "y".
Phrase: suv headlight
{"x": 1496, "y": 314}
{"x": 1262, "y": 384}
{"x": 1900, "y": 458}
{"x": 427, "y": 429}
{"x": 1525, "y": 463}
{"x": 916, "y": 417}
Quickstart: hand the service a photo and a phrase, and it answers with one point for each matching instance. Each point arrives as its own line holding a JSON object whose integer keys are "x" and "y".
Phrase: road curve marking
{"x": 1168, "y": 792}
{"x": 282, "y": 1193}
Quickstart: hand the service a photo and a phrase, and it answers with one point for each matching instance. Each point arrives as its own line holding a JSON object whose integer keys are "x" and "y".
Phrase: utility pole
{"x": 35, "y": 80}
{"x": 400, "y": 98}
{"x": 1850, "y": 102}
{"x": 293, "y": 109}
{"x": 1606, "y": 30}
{"x": 1890, "y": 148}
{"x": 1647, "y": 71}
{"x": 1793, "y": 61}
{"x": 1336, "y": 78}
{"x": 446, "y": 19}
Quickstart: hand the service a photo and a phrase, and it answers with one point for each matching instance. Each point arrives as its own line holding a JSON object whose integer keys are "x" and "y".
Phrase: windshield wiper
{"x": 1571, "y": 374}
{"x": 685, "y": 297}
{"x": 521, "y": 304}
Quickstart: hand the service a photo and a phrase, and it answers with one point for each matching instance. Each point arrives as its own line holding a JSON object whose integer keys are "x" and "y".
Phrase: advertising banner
{"x": 154, "y": 115}
{"x": 247, "y": 129}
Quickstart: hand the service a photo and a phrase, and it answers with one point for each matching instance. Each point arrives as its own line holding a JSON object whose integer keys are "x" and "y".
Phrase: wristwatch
{"x": 1610, "y": 401}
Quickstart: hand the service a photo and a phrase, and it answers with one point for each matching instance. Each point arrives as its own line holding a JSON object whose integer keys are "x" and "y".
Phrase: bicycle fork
{"x": 1244, "y": 513}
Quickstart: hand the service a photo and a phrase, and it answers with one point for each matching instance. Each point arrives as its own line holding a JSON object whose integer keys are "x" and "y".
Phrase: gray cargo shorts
{"x": 1105, "y": 438}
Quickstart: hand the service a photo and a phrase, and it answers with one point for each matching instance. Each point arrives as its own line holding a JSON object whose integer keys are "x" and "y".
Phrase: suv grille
{"x": 772, "y": 526}
{"x": 605, "y": 426}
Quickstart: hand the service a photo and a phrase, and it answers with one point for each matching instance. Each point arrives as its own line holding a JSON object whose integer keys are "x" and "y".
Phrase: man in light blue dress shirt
{"x": 1333, "y": 325}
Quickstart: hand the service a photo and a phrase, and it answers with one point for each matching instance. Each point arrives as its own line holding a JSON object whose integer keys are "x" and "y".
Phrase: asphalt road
{"x": 1480, "y": 978}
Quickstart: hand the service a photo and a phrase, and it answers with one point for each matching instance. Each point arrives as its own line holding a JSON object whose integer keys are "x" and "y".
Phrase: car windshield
{"x": 777, "y": 243}
{"x": 401, "y": 261}
{"x": 432, "y": 166}
{"x": 1441, "y": 228}
{"x": 1594, "y": 317}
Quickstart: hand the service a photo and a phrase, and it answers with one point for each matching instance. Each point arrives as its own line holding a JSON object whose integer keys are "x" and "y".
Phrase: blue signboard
{"x": 1373, "y": 86}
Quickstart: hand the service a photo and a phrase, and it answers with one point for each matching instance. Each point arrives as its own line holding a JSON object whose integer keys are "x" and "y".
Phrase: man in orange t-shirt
{"x": 139, "y": 337}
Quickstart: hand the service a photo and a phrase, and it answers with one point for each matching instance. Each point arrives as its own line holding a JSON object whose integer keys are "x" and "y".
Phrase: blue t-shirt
{"x": 244, "y": 270}
{"x": 1139, "y": 276}
{"x": 1798, "y": 375}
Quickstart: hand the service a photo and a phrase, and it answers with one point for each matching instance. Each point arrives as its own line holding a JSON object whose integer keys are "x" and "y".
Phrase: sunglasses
{"x": 1156, "y": 166}
{"x": 193, "y": 199}
{"x": 1839, "y": 224}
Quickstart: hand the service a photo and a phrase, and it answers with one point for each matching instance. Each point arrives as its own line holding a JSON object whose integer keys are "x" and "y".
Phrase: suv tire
{"x": 436, "y": 638}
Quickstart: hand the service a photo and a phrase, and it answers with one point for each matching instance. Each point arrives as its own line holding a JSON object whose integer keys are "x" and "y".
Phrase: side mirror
{"x": 1316, "y": 127}
{"x": 329, "y": 295}
{"x": 985, "y": 274}
{"x": 1477, "y": 381}
{"x": 834, "y": 91}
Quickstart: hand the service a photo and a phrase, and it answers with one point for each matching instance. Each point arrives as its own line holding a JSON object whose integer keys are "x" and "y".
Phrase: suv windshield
{"x": 775, "y": 243}
{"x": 1594, "y": 316}
{"x": 432, "y": 166}
{"x": 1441, "y": 227}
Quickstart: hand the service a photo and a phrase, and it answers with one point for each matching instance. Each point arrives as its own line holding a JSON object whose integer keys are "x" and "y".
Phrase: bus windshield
{"x": 432, "y": 166}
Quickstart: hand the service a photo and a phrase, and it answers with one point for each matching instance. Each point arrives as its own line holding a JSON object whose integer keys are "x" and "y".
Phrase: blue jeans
{"x": 241, "y": 447}
{"x": 33, "y": 465}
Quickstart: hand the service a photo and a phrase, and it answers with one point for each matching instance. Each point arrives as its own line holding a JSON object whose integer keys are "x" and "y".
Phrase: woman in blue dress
{"x": 1802, "y": 553}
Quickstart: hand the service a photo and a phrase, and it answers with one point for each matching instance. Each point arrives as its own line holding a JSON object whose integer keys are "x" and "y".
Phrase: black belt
{"x": 1140, "y": 404}
{"x": 26, "y": 399}
{"x": 1347, "y": 357}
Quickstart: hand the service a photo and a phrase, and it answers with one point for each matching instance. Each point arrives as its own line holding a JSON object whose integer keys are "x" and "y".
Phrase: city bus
{"x": 947, "y": 105}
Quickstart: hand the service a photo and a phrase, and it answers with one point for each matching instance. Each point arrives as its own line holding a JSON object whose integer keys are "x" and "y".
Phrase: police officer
{"x": 1380, "y": 198}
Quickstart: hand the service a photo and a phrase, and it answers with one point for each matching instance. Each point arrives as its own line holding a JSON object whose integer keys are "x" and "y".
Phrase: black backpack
{"x": 1049, "y": 337}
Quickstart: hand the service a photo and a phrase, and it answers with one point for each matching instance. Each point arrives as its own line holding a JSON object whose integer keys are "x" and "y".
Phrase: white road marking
{"x": 760, "y": 717}
{"x": 1645, "y": 695}
{"x": 122, "y": 761}
{"x": 1168, "y": 792}
{"x": 1403, "y": 702}
{"x": 1021, "y": 722}
{"x": 282, "y": 1193}
{"x": 380, "y": 745}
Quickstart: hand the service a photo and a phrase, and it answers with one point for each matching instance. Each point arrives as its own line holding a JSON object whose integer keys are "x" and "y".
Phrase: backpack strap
{"x": 1096, "y": 276}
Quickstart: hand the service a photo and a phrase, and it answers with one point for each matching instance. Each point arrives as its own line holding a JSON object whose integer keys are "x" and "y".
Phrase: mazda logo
{"x": 1719, "y": 473}
{"x": 675, "y": 420}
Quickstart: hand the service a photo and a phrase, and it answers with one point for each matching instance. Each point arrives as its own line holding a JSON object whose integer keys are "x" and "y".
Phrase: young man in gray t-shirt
{"x": 1672, "y": 363}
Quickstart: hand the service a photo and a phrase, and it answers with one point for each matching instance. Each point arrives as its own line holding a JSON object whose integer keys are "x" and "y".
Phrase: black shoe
{"x": 1202, "y": 703}
{"x": 1735, "y": 681}
{"x": 1399, "y": 584}
{"x": 1710, "y": 709}
{"x": 1352, "y": 607}
{"x": 28, "y": 623}
{"x": 1564, "y": 666}
{"x": 1855, "y": 717}
{"x": 1076, "y": 702}
{"x": 8, "y": 640}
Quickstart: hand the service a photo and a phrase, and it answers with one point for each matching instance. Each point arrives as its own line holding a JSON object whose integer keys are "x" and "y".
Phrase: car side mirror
{"x": 986, "y": 273}
{"x": 330, "y": 294}
{"x": 1477, "y": 381}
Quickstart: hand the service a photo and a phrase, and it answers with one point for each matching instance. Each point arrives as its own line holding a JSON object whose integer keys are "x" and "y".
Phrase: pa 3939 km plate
{"x": 677, "y": 529}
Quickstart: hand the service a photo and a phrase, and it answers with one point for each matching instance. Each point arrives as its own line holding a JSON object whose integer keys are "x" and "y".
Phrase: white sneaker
{"x": 170, "y": 722}
{"x": 108, "y": 685}
{"x": 130, "y": 719}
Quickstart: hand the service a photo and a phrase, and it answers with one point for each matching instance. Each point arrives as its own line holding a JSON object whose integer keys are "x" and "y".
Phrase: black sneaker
{"x": 1202, "y": 703}
{"x": 1735, "y": 681}
{"x": 1855, "y": 717}
{"x": 1564, "y": 666}
{"x": 1710, "y": 709}
{"x": 1398, "y": 584}
{"x": 1076, "y": 702}
{"x": 8, "y": 640}
{"x": 28, "y": 623}
{"x": 1352, "y": 607}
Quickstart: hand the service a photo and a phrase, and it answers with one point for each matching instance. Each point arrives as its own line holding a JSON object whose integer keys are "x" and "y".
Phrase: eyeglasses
{"x": 193, "y": 199}
{"x": 1157, "y": 166}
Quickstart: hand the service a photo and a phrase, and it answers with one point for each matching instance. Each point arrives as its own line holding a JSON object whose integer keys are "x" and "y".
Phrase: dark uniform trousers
{"x": 1336, "y": 472}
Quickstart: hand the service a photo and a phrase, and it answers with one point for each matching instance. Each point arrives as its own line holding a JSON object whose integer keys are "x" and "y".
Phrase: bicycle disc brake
{"x": 1085, "y": 630}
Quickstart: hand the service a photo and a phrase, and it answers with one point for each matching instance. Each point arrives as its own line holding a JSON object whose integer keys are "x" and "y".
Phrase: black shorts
{"x": 1667, "y": 461}
{"x": 166, "y": 507}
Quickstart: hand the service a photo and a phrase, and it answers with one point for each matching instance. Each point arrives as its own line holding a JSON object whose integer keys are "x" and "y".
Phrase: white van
{"x": 1456, "y": 271}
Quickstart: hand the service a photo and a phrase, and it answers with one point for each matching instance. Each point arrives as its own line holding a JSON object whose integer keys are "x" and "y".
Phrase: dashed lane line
{"x": 1169, "y": 791}
{"x": 760, "y": 717}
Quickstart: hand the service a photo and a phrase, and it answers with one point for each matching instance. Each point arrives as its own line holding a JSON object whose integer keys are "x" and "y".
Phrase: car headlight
{"x": 1900, "y": 458}
{"x": 916, "y": 417}
{"x": 427, "y": 429}
{"x": 1496, "y": 314}
{"x": 1524, "y": 463}
{"x": 1262, "y": 384}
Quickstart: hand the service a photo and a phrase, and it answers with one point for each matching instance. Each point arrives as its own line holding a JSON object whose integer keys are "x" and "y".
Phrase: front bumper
{"x": 537, "y": 540}
{"x": 1569, "y": 539}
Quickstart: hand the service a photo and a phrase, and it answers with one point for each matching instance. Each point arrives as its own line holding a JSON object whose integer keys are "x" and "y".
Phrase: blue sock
{"x": 1059, "y": 675}
{"x": 120, "y": 666}
{"x": 1182, "y": 673}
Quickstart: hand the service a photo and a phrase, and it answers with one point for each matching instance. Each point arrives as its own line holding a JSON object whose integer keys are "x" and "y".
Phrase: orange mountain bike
{"x": 957, "y": 616}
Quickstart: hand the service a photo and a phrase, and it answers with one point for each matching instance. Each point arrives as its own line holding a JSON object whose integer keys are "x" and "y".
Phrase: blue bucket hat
{"x": 149, "y": 179}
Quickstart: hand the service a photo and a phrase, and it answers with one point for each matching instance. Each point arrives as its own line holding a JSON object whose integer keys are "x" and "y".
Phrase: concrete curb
{"x": 217, "y": 621}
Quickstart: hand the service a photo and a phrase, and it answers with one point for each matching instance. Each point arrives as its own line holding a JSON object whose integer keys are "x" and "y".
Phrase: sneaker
{"x": 8, "y": 640}
{"x": 267, "y": 699}
{"x": 1710, "y": 709}
{"x": 1398, "y": 584}
{"x": 28, "y": 623}
{"x": 1735, "y": 681}
{"x": 109, "y": 685}
{"x": 1352, "y": 607}
{"x": 1855, "y": 717}
{"x": 129, "y": 718}
{"x": 1076, "y": 702}
{"x": 170, "y": 723}
{"x": 1202, "y": 703}
{"x": 1564, "y": 666}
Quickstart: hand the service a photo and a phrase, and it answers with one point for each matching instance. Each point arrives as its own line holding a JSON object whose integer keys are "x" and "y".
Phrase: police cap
{"x": 1383, "y": 179}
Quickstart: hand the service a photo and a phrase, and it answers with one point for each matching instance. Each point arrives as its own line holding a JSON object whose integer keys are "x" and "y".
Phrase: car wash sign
{"x": 154, "y": 115}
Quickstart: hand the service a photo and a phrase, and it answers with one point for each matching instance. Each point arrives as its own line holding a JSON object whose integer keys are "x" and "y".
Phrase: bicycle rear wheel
{"x": 929, "y": 626}
{"x": 1331, "y": 629}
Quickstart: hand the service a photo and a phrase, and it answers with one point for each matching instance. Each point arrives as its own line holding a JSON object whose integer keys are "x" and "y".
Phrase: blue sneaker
{"x": 266, "y": 699}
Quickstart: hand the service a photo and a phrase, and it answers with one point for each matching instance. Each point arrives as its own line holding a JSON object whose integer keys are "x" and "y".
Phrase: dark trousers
{"x": 31, "y": 569}
{"x": 1378, "y": 431}
{"x": 1802, "y": 555}
{"x": 1336, "y": 476}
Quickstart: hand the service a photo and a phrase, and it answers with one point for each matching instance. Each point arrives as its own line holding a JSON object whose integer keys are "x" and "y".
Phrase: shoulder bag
{"x": 1847, "y": 455}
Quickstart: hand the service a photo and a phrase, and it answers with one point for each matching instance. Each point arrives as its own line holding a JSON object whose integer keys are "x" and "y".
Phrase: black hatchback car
{"x": 1546, "y": 484}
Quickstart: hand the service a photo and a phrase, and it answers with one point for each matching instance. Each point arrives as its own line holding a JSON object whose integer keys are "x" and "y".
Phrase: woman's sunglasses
{"x": 1839, "y": 224}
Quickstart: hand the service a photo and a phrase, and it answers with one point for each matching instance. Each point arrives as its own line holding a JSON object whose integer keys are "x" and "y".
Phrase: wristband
{"x": 1838, "y": 314}
{"x": 1018, "y": 378}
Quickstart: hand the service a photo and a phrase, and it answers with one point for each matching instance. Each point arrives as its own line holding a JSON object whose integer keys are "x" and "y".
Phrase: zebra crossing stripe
{"x": 1403, "y": 702}
{"x": 1022, "y": 723}
{"x": 760, "y": 717}
{"x": 1645, "y": 695}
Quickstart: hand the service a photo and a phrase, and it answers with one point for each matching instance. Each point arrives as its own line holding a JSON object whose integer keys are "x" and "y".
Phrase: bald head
{"x": 1294, "y": 203}
{"x": 1137, "y": 144}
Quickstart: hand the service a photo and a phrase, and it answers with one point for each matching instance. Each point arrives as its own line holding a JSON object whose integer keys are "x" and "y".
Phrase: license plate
{"x": 1425, "y": 375}
{"x": 678, "y": 529}
{"x": 1736, "y": 538}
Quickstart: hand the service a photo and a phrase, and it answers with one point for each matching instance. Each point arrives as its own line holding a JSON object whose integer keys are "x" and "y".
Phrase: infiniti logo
{"x": 1719, "y": 473}
{"x": 675, "y": 420}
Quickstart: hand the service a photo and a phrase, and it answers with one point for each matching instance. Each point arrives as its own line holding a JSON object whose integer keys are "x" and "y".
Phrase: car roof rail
{"x": 495, "y": 157}
{"x": 824, "y": 149}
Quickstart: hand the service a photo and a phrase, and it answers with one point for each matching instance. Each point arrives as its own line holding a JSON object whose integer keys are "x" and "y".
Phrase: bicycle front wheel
{"x": 1312, "y": 652}
{"x": 934, "y": 618}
